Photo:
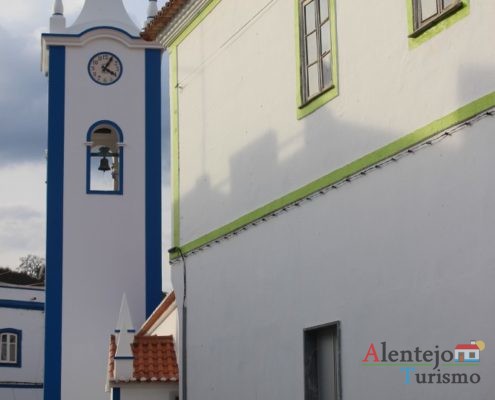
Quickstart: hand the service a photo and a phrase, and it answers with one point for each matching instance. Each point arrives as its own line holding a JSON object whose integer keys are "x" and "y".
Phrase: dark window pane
{"x": 12, "y": 352}
{"x": 313, "y": 80}
{"x": 428, "y": 9}
{"x": 312, "y": 48}
{"x": 327, "y": 70}
{"x": 323, "y": 10}
{"x": 325, "y": 37}
{"x": 310, "y": 17}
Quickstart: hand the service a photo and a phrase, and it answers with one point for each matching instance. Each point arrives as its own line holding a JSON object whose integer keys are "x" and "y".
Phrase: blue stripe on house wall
{"x": 15, "y": 385}
{"x": 54, "y": 223}
{"x": 25, "y": 305}
{"x": 153, "y": 179}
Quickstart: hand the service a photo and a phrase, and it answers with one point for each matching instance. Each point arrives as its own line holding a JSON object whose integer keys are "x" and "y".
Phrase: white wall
{"x": 149, "y": 391}
{"x": 403, "y": 255}
{"x": 31, "y": 323}
{"x": 104, "y": 235}
{"x": 241, "y": 145}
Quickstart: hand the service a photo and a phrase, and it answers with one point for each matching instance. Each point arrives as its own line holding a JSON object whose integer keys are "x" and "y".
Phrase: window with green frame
{"x": 427, "y": 18}
{"x": 317, "y": 54}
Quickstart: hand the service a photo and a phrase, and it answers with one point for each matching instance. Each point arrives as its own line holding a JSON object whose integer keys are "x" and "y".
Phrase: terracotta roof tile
{"x": 155, "y": 359}
{"x": 111, "y": 355}
{"x": 168, "y": 12}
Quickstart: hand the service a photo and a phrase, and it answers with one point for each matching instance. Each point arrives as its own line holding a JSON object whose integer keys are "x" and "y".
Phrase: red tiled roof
{"x": 111, "y": 356}
{"x": 162, "y": 308}
{"x": 154, "y": 359}
{"x": 467, "y": 347}
{"x": 168, "y": 12}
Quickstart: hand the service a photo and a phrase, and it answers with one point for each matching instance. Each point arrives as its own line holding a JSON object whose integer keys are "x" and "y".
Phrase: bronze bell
{"x": 104, "y": 166}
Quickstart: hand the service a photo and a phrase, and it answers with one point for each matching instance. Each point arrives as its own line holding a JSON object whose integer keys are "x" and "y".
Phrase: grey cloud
{"x": 23, "y": 103}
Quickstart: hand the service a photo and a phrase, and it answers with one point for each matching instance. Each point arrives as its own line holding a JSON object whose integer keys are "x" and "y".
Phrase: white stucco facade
{"x": 21, "y": 311}
{"x": 395, "y": 254}
{"x": 237, "y": 74}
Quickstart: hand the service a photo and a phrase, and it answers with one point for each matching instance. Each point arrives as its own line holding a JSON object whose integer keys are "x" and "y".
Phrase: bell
{"x": 104, "y": 166}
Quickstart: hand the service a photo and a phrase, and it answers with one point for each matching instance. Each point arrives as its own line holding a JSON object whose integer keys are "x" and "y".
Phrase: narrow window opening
{"x": 105, "y": 157}
{"x": 316, "y": 57}
{"x": 10, "y": 347}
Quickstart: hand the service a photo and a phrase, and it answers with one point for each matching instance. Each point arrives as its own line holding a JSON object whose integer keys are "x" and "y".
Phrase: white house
{"x": 21, "y": 342}
{"x": 467, "y": 352}
{"x": 332, "y": 187}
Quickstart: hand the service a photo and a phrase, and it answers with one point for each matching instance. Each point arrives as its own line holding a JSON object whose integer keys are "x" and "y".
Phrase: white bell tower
{"x": 104, "y": 190}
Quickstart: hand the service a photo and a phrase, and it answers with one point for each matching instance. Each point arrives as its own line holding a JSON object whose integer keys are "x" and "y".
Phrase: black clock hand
{"x": 107, "y": 64}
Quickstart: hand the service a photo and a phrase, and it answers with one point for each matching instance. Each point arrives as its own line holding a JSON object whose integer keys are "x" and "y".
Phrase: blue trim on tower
{"x": 89, "y": 30}
{"x": 153, "y": 180}
{"x": 115, "y": 393}
{"x": 88, "y": 159}
{"x": 54, "y": 223}
{"x": 23, "y": 305}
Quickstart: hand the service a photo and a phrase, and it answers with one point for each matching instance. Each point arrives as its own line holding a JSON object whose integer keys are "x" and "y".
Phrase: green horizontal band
{"x": 462, "y": 114}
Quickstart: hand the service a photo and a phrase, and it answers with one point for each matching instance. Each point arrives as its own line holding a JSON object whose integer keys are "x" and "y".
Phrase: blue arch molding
{"x": 23, "y": 305}
{"x": 113, "y": 28}
{"x": 121, "y": 159}
{"x": 18, "y": 333}
{"x": 153, "y": 180}
{"x": 54, "y": 223}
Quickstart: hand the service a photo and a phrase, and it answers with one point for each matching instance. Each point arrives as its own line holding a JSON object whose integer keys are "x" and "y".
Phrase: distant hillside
{"x": 18, "y": 278}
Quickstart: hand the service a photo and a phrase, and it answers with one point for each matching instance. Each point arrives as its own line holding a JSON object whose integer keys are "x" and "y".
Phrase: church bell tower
{"x": 103, "y": 190}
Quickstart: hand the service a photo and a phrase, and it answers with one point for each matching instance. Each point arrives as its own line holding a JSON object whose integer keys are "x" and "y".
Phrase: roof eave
{"x": 172, "y": 20}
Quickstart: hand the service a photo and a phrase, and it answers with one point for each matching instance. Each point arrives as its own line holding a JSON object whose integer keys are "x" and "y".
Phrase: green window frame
{"x": 317, "y": 78}
{"x": 427, "y": 18}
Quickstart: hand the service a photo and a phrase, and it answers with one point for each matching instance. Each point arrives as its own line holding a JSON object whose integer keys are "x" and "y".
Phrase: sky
{"x": 23, "y": 126}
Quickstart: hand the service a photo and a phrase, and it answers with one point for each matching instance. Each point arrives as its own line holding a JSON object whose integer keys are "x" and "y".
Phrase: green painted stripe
{"x": 435, "y": 29}
{"x": 174, "y": 148}
{"x": 462, "y": 114}
{"x": 313, "y": 105}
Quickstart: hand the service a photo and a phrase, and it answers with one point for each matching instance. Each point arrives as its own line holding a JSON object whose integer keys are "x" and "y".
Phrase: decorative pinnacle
{"x": 152, "y": 9}
{"x": 58, "y": 7}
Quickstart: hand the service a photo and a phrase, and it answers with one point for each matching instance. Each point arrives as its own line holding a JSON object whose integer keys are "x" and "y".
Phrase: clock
{"x": 105, "y": 68}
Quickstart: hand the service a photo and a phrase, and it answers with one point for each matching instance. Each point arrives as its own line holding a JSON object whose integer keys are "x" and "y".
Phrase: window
{"x": 105, "y": 155}
{"x": 322, "y": 362}
{"x": 427, "y": 13}
{"x": 317, "y": 62}
{"x": 10, "y": 347}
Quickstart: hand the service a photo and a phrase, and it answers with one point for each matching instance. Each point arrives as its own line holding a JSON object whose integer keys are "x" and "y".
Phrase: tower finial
{"x": 152, "y": 11}
{"x": 58, "y": 7}
{"x": 57, "y": 20}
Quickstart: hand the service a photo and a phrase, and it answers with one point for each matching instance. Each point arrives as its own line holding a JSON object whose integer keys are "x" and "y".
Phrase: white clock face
{"x": 105, "y": 68}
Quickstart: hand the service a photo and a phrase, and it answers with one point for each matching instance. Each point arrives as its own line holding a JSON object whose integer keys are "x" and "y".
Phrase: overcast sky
{"x": 23, "y": 125}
